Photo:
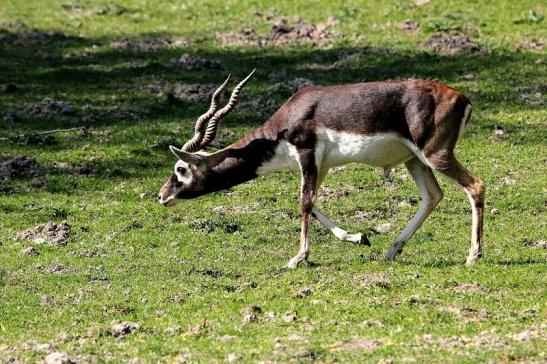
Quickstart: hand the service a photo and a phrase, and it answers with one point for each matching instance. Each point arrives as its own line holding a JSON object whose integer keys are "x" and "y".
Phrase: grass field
{"x": 205, "y": 281}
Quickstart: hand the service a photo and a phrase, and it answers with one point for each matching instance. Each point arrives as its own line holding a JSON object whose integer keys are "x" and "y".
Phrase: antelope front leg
{"x": 309, "y": 180}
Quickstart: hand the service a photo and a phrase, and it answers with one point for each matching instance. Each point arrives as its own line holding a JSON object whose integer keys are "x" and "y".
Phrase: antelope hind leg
{"x": 340, "y": 233}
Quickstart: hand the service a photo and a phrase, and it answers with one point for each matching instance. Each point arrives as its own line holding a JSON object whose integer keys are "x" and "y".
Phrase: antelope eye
{"x": 181, "y": 170}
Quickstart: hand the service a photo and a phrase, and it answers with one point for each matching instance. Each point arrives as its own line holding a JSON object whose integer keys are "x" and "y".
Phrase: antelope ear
{"x": 214, "y": 159}
{"x": 189, "y": 158}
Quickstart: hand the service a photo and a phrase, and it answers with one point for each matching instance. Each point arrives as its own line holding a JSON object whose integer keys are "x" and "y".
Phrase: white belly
{"x": 336, "y": 148}
{"x": 381, "y": 150}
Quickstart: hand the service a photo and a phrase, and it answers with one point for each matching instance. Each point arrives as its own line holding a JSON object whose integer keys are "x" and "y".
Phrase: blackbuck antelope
{"x": 415, "y": 122}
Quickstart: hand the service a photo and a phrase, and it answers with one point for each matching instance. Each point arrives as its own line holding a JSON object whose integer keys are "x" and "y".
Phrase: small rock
{"x": 30, "y": 251}
{"x": 58, "y": 357}
{"x": 120, "y": 329}
{"x": 494, "y": 211}
{"x": 304, "y": 292}
{"x": 289, "y": 316}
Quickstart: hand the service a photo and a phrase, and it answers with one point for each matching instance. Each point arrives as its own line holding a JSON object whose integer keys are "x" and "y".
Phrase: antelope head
{"x": 193, "y": 166}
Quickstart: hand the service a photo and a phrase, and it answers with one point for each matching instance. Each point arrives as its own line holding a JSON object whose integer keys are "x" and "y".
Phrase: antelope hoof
{"x": 295, "y": 261}
{"x": 393, "y": 252}
{"x": 364, "y": 240}
{"x": 472, "y": 258}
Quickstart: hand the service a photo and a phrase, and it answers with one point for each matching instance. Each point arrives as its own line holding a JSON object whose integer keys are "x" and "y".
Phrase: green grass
{"x": 129, "y": 259}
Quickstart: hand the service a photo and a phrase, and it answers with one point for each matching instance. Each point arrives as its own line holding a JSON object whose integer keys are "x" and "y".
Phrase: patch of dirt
{"x": 193, "y": 93}
{"x": 538, "y": 244}
{"x": 211, "y": 272}
{"x": 192, "y": 62}
{"x": 361, "y": 344}
{"x": 120, "y": 329}
{"x": 241, "y": 37}
{"x": 533, "y": 99}
{"x": 49, "y": 108}
{"x": 250, "y": 313}
{"x": 18, "y": 166}
{"x": 483, "y": 340}
{"x": 58, "y": 357}
{"x": 236, "y": 209}
{"x": 538, "y": 331}
{"x": 289, "y": 316}
{"x": 382, "y": 228}
{"x": 282, "y": 33}
{"x": 466, "y": 314}
{"x": 38, "y": 183}
{"x": 304, "y": 292}
{"x": 346, "y": 57}
{"x": 53, "y": 269}
{"x": 260, "y": 107}
{"x": 470, "y": 288}
{"x": 327, "y": 193}
{"x": 32, "y": 37}
{"x": 409, "y": 26}
{"x": 289, "y": 87}
{"x": 452, "y": 43}
{"x": 375, "y": 280}
{"x": 81, "y": 169}
{"x": 146, "y": 44}
{"x": 30, "y": 251}
{"x": 124, "y": 114}
{"x": 50, "y": 233}
{"x": 534, "y": 44}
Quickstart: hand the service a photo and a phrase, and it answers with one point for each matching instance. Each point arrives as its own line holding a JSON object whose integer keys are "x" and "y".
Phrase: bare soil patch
{"x": 538, "y": 244}
{"x": 289, "y": 87}
{"x": 50, "y": 233}
{"x": 192, "y": 62}
{"x": 452, "y": 43}
{"x": 466, "y": 314}
{"x": 470, "y": 288}
{"x": 120, "y": 329}
{"x": 194, "y": 92}
{"x": 282, "y": 33}
{"x": 49, "y": 108}
{"x": 17, "y": 167}
{"x": 534, "y": 44}
{"x": 145, "y": 44}
{"x": 380, "y": 280}
{"x": 360, "y": 344}
{"x": 537, "y": 331}
{"x": 409, "y": 26}
{"x": 32, "y": 37}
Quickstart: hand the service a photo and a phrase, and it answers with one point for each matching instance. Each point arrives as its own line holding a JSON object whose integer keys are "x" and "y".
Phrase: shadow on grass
{"x": 110, "y": 87}
{"x": 94, "y": 76}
